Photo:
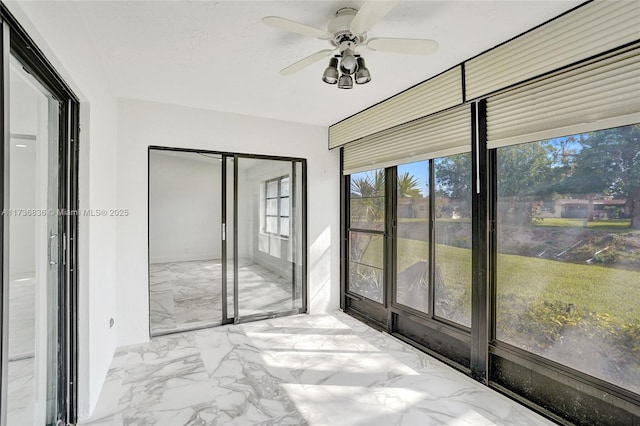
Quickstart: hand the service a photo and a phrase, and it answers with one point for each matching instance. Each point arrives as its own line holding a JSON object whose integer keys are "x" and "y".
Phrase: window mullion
{"x": 431, "y": 243}
{"x": 479, "y": 199}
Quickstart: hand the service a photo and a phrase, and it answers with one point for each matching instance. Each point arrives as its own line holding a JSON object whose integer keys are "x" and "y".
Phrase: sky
{"x": 420, "y": 171}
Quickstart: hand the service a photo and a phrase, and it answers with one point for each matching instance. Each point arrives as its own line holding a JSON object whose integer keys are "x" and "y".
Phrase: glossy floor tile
{"x": 299, "y": 370}
{"x": 22, "y": 337}
{"x": 187, "y": 295}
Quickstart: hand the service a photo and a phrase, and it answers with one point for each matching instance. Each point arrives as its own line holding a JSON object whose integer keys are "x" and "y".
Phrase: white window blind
{"x": 592, "y": 29}
{"x": 439, "y": 135}
{"x": 436, "y": 94}
{"x": 597, "y": 95}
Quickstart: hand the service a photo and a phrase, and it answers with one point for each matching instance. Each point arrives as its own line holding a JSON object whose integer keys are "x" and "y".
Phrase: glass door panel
{"x": 298, "y": 228}
{"x": 185, "y": 235}
{"x": 35, "y": 255}
{"x": 228, "y": 235}
{"x": 366, "y": 235}
{"x": 412, "y": 252}
{"x": 268, "y": 237}
{"x": 452, "y": 231}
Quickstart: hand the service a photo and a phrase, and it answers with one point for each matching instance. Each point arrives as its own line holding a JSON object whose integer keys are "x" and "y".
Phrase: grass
{"x": 594, "y": 288}
{"x": 579, "y": 223}
{"x": 425, "y": 220}
{"x": 590, "y": 287}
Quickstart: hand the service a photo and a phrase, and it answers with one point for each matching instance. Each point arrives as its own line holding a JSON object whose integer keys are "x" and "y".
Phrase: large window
{"x": 568, "y": 265}
{"x": 276, "y": 211}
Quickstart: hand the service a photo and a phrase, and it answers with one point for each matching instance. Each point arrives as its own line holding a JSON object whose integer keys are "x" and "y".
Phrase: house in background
{"x": 579, "y": 208}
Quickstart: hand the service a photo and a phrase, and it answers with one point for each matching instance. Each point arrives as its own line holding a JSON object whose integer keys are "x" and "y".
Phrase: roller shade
{"x": 592, "y": 29}
{"x": 439, "y": 135}
{"x": 593, "y": 96}
{"x": 436, "y": 94}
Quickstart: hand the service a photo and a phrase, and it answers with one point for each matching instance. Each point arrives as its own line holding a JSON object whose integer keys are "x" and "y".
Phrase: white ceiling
{"x": 218, "y": 55}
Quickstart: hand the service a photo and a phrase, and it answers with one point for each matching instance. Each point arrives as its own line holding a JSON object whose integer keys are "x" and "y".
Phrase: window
{"x": 452, "y": 223}
{"x": 568, "y": 263}
{"x": 445, "y": 290}
{"x": 412, "y": 245}
{"x": 276, "y": 212}
{"x": 366, "y": 234}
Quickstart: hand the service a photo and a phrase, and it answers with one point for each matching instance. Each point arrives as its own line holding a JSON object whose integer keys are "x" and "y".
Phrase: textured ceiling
{"x": 218, "y": 54}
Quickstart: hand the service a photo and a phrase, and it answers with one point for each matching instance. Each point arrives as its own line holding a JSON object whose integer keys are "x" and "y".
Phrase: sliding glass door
{"x": 268, "y": 237}
{"x": 226, "y": 238}
{"x": 185, "y": 240}
{"x": 409, "y": 252}
{"x": 366, "y": 241}
{"x": 39, "y": 224}
{"x": 34, "y": 261}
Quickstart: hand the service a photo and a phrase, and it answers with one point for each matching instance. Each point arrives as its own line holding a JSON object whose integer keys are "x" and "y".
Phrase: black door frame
{"x": 16, "y": 42}
{"x": 234, "y": 317}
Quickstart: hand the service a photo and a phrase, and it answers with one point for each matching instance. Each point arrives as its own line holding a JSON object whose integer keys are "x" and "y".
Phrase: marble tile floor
{"x": 22, "y": 316}
{"x": 186, "y": 295}
{"x": 20, "y": 384}
{"x": 299, "y": 370}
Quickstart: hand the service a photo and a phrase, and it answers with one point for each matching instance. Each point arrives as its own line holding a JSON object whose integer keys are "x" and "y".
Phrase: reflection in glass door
{"x": 186, "y": 253}
{"x": 34, "y": 268}
{"x": 269, "y": 243}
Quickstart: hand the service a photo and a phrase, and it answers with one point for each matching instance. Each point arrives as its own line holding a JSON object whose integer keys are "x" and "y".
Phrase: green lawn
{"x": 579, "y": 223}
{"x": 592, "y": 288}
{"x": 425, "y": 220}
{"x": 614, "y": 292}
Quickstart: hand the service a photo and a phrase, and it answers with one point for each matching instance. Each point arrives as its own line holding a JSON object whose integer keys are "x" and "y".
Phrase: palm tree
{"x": 367, "y": 200}
{"x": 368, "y": 212}
{"x": 408, "y": 186}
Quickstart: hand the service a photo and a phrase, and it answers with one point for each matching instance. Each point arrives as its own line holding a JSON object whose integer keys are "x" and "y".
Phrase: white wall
{"x": 184, "y": 207}
{"x": 77, "y": 61}
{"x": 141, "y": 124}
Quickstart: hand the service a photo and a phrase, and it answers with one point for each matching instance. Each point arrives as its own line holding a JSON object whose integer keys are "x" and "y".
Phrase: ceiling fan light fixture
{"x": 363, "y": 75}
{"x": 331, "y": 74}
{"x": 346, "y": 82}
{"x": 348, "y": 64}
{"x": 347, "y": 33}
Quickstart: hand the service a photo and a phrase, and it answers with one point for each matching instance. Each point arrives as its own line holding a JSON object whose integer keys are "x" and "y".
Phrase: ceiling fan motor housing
{"x": 340, "y": 27}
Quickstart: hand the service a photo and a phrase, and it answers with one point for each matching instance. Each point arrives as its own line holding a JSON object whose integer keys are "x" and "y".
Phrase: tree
{"x": 408, "y": 186}
{"x": 367, "y": 200}
{"x": 526, "y": 169}
{"x": 453, "y": 181}
{"x": 609, "y": 164}
{"x": 526, "y": 175}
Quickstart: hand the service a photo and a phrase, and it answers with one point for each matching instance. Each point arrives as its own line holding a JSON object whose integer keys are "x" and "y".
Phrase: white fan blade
{"x": 409, "y": 46}
{"x": 303, "y": 63}
{"x": 370, "y": 14}
{"x": 296, "y": 27}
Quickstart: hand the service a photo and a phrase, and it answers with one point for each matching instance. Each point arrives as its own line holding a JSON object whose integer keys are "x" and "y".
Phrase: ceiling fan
{"x": 346, "y": 32}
